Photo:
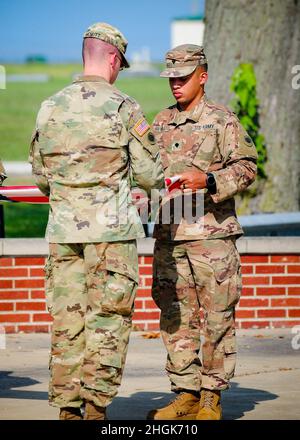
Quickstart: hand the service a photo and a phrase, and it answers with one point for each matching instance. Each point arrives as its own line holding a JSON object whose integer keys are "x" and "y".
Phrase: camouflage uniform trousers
{"x": 90, "y": 291}
{"x": 188, "y": 276}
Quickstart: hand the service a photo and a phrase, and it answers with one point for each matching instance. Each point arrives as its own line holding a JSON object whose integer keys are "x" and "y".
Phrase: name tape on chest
{"x": 203, "y": 127}
{"x": 141, "y": 126}
{"x": 194, "y": 127}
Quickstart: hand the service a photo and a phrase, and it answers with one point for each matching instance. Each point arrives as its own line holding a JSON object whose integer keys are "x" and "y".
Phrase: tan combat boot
{"x": 93, "y": 412}
{"x": 184, "y": 407}
{"x": 69, "y": 413}
{"x": 210, "y": 405}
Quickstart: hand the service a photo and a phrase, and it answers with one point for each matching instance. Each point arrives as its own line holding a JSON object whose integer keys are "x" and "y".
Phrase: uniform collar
{"x": 90, "y": 78}
{"x": 180, "y": 117}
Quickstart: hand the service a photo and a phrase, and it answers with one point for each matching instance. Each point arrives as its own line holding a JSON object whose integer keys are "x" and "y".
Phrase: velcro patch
{"x": 141, "y": 126}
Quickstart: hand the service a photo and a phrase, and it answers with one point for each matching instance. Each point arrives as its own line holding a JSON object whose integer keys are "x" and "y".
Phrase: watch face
{"x": 211, "y": 180}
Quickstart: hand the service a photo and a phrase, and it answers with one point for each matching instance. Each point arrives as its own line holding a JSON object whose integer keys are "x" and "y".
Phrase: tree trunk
{"x": 265, "y": 33}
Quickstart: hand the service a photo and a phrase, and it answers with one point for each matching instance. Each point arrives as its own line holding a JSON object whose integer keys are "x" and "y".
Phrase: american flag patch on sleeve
{"x": 141, "y": 126}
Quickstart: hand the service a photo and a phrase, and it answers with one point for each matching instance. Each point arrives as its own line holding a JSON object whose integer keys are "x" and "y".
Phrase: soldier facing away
{"x": 196, "y": 264}
{"x": 3, "y": 175}
{"x": 90, "y": 141}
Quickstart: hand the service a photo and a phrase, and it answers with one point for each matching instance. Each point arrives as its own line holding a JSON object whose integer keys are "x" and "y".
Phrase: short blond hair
{"x": 97, "y": 50}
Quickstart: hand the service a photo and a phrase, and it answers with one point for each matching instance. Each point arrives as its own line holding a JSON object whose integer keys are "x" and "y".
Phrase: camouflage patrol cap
{"x": 183, "y": 60}
{"x": 111, "y": 35}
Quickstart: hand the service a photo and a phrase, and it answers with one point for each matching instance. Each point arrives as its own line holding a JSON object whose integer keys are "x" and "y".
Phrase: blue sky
{"x": 54, "y": 27}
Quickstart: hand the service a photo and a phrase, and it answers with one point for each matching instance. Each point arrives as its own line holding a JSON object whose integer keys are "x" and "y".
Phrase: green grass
{"x": 19, "y": 104}
{"x": 24, "y": 220}
{"x": 54, "y": 70}
{"x": 18, "y": 107}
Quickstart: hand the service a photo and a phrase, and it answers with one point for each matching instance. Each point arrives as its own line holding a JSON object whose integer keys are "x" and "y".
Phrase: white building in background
{"x": 187, "y": 30}
{"x": 141, "y": 65}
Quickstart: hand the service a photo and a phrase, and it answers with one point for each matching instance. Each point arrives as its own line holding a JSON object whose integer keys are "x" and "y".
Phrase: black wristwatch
{"x": 211, "y": 183}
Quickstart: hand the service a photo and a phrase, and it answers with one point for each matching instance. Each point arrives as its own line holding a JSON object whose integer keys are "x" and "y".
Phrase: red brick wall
{"x": 270, "y": 297}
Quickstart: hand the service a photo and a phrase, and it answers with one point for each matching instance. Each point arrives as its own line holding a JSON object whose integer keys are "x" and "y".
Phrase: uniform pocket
{"x": 119, "y": 294}
{"x": 227, "y": 271}
{"x": 110, "y": 357}
{"x": 230, "y": 356}
{"x": 206, "y": 151}
{"x": 121, "y": 262}
{"x": 228, "y": 263}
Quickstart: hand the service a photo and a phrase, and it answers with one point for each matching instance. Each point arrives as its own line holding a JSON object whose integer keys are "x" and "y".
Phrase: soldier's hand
{"x": 193, "y": 180}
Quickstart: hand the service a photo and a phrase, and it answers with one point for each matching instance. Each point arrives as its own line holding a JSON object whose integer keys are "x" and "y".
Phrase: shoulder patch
{"x": 248, "y": 141}
{"x": 141, "y": 126}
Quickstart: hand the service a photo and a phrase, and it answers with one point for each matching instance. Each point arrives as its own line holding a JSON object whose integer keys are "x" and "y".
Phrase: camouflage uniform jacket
{"x": 90, "y": 142}
{"x": 208, "y": 138}
{"x": 2, "y": 173}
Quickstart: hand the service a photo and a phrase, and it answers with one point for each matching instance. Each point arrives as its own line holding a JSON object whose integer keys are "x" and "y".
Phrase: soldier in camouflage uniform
{"x": 3, "y": 175}
{"x": 196, "y": 264}
{"x": 90, "y": 143}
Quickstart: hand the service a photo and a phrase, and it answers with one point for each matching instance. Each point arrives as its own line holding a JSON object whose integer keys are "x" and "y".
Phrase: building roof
{"x": 189, "y": 18}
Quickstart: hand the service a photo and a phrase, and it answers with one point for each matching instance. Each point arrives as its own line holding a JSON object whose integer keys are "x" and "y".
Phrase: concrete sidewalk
{"x": 266, "y": 384}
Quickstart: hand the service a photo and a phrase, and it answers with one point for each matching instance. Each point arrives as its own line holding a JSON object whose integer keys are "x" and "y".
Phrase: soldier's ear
{"x": 115, "y": 60}
{"x": 112, "y": 61}
{"x": 203, "y": 77}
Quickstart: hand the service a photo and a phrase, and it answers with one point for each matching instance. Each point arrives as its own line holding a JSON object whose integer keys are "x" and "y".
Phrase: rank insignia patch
{"x": 141, "y": 126}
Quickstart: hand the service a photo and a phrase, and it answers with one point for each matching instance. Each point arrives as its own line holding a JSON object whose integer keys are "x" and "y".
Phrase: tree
{"x": 265, "y": 33}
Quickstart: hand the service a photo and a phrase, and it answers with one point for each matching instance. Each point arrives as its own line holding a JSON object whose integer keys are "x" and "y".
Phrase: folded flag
{"x": 28, "y": 194}
{"x": 32, "y": 194}
{"x": 172, "y": 183}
